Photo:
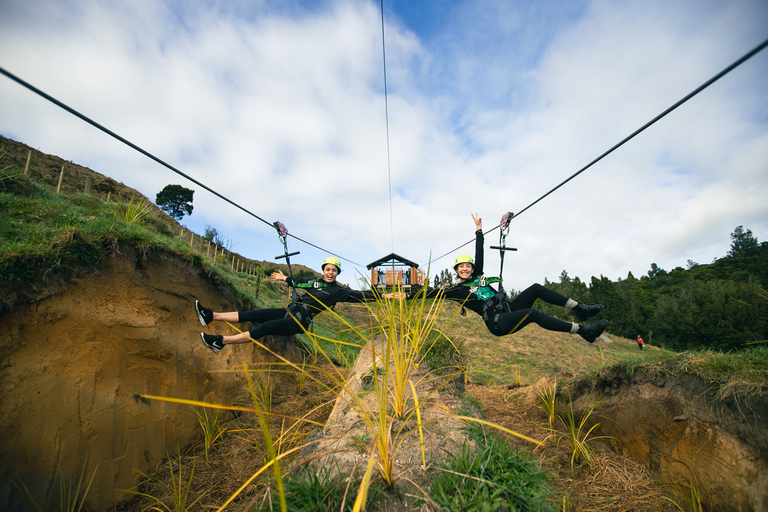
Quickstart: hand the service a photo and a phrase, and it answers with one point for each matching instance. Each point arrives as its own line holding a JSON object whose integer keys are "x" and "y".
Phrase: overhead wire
{"x": 386, "y": 121}
{"x": 153, "y": 157}
{"x": 687, "y": 97}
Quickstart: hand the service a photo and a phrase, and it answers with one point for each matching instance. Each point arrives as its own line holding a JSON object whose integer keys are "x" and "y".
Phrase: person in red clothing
{"x": 640, "y": 342}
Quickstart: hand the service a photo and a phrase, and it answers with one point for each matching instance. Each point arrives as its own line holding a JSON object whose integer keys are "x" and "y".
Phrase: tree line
{"x": 720, "y": 306}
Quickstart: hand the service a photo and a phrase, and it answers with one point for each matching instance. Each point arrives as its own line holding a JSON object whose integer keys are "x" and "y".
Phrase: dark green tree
{"x": 742, "y": 241}
{"x": 175, "y": 200}
{"x": 656, "y": 271}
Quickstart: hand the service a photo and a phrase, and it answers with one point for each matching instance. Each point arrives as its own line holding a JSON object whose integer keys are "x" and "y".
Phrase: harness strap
{"x": 314, "y": 283}
{"x": 494, "y": 307}
{"x": 302, "y": 312}
{"x": 482, "y": 281}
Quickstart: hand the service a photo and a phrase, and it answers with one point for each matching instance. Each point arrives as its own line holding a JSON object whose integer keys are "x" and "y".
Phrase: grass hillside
{"x": 48, "y": 238}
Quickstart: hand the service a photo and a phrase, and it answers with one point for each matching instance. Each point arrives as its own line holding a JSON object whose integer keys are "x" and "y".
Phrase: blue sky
{"x": 280, "y": 106}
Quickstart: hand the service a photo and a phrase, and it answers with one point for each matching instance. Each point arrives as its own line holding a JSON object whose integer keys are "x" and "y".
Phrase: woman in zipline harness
{"x": 322, "y": 293}
{"x": 504, "y": 317}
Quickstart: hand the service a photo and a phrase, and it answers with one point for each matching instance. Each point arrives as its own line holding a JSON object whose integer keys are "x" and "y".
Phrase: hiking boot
{"x": 592, "y": 331}
{"x": 204, "y": 314}
{"x": 214, "y": 342}
{"x": 583, "y": 311}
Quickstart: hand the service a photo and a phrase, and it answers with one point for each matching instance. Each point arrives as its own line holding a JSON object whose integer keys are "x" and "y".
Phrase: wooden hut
{"x": 393, "y": 270}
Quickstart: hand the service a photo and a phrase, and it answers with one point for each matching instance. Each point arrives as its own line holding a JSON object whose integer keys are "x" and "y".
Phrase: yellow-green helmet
{"x": 463, "y": 258}
{"x": 332, "y": 261}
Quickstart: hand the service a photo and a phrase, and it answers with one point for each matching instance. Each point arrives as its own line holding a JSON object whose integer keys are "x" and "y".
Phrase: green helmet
{"x": 332, "y": 261}
{"x": 463, "y": 258}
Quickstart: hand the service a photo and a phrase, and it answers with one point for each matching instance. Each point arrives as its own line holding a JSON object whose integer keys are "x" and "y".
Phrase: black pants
{"x": 272, "y": 322}
{"x": 522, "y": 313}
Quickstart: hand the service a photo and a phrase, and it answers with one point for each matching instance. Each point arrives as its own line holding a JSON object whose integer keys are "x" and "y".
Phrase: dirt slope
{"x": 74, "y": 359}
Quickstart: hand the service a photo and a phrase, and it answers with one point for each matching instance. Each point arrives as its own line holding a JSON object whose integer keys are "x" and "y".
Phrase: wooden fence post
{"x": 26, "y": 167}
{"x": 61, "y": 177}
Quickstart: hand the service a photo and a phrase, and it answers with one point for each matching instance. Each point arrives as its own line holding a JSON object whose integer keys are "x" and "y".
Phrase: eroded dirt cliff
{"x": 687, "y": 433}
{"x": 75, "y": 357}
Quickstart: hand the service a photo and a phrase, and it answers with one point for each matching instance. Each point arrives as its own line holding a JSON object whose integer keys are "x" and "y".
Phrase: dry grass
{"x": 613, "y": 483}
{"x": 241, "y": 450}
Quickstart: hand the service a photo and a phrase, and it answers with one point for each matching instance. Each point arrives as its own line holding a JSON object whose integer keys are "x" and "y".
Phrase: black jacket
{"x": 320, "y": 294}
{"x": 471, "y": 294}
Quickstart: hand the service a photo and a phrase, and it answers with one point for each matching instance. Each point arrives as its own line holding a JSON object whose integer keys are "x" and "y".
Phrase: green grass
{"x": 43, "y": 234}
{"x": 490, "y": 477}
{"x": 320, "y": 491}
{"x": 743, "y": 373}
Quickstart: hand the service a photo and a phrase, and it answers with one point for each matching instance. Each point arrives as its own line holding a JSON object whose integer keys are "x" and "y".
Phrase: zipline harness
{"x": 497, "y": 304}
{"x": 297, "y": 308}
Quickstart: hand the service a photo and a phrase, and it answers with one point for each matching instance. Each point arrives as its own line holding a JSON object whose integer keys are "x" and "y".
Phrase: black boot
{"x": 592, "y": 331}
{"x": 583, "y": 311}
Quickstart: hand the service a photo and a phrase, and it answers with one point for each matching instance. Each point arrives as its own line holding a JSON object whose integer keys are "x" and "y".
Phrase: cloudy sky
{"x": 280, "y": 106}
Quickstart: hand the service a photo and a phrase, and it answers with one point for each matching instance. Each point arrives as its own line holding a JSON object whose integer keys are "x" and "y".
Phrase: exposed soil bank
{"x": 684, "y": 433}
{"x": 76, "y": 355}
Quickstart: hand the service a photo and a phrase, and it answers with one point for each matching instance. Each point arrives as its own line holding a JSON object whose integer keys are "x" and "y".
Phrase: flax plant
{"x": 173, "y": 497}
{"x": 576, "y": 433}
{"x": 547, "y": 393}
{"x": 130, "y": 212}
{"x": 212, "y": 429}
{"x": 262, "y": 388}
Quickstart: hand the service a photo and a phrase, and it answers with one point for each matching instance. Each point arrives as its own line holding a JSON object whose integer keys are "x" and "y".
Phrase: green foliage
{"x": 131, "y": 212}
{"x": 490, "y": 477}
{"x": 173, "y": 496}
{"x": 742, "y": 242}
{"x": 547, "y": 393}
{"x": 320, "y": 490}
{"x": 577, "y": 432}
{"x": 175, "y": 200}
{"x": 213, "y": 430}
{"x": 718, "y": 315}
{"x": 742, "y": 374}
{"x": 722, "y": 306}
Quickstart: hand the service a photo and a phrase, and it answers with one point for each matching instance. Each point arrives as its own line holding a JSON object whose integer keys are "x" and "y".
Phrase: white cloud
{"x": 491, "y": 104}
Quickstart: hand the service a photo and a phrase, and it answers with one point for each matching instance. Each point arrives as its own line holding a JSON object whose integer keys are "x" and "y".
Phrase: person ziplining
{"x": 503, "y": 316}
{"x": 322, "y": 293}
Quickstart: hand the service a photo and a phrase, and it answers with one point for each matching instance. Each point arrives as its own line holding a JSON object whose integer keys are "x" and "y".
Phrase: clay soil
{"x": 612, "y": 483}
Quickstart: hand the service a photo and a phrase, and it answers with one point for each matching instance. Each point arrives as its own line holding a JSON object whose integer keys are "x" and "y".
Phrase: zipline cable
{"x": 150, "y": 155}
{"x": 690, "y": 95}
{"x": 386, "y": 119}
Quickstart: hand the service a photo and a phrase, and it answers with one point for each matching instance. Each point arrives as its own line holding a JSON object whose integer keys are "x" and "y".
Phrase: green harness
{"x": 313, "y": 283}
{"x": 494, "y": 302}
{"x": 481, "y": 287}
